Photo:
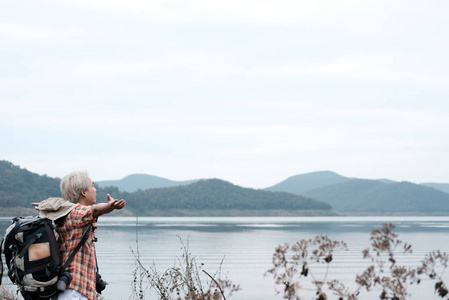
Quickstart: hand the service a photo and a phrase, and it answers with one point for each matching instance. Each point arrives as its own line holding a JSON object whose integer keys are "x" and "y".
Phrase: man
{"x": 73, "y": 216}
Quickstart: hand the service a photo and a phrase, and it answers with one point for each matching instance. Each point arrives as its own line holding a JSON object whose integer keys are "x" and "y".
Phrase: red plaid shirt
{"x": 83, "y": 267}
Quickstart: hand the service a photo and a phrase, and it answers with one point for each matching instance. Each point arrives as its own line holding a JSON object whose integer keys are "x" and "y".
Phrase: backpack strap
{"x": 78, "y": 247}
{"x": 54, "y": 247}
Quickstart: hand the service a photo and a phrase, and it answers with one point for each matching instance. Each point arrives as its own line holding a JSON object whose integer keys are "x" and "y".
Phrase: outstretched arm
{"x": 105, "y": 208}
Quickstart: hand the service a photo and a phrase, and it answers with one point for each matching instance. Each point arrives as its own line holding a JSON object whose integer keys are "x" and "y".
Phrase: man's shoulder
{"x": 81, "y": 211}
{"x": 82, "y": 207}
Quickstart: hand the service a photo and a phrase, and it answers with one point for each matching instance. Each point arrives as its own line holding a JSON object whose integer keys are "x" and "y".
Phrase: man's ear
{"x": 83, "y": 193}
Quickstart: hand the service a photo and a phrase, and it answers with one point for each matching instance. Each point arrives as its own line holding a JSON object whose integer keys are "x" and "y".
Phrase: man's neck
{"x": 83, "y": 201}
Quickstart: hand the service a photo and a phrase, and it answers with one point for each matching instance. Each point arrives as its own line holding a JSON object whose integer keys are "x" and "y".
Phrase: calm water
{"x": 246, "y": 245}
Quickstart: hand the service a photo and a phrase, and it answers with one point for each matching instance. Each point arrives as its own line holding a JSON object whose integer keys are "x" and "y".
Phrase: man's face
{"x": 90, "y": 195}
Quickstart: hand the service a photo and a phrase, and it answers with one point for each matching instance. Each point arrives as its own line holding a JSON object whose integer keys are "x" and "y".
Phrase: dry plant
{"x": 386, "y": 274}
{"x": 434, "y": 265}
{"x": 183, "y": 281}
{"x": 292, "y": 264}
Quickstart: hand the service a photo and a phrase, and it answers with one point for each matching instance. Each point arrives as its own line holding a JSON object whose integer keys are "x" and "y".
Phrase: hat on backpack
{"x": 54, "y": 208}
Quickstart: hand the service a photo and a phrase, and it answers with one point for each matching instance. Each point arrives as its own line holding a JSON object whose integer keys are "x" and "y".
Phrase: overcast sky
{"x": 251, "y": 92}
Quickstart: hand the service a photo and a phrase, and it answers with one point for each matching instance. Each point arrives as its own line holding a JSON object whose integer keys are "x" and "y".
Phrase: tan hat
{"x": 54, "y": 208}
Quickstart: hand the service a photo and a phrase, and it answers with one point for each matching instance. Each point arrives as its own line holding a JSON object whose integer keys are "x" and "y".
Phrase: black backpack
{"x": 32, "y": 257}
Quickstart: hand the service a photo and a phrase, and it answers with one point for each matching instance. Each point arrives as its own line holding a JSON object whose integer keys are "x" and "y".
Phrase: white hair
{"x": 72, "y": 185}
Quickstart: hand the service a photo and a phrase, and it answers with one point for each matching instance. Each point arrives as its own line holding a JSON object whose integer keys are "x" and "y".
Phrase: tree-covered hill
{"x": 20, "y": 187}
{"x": 134, "y": 182}
{"x": 215, "y": 194}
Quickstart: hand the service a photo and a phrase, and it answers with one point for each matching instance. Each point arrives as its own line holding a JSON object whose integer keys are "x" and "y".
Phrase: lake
{"x": 244, "y": 246}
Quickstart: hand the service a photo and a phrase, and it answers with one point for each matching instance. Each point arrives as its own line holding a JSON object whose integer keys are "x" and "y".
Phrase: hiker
{"x": 73, "y": 216}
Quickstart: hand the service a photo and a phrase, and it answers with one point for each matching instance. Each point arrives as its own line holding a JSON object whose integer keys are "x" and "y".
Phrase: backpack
{"x": 32, "y": 257}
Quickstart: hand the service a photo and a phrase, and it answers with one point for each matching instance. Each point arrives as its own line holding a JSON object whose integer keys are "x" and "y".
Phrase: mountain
{"x": 215, "y": 194}
{"x": 362, "y": 196}
{"x": 384, "y": 180}
{"x": 444, "y": 187}
{"x": 135, "y": 182}
{"x": 300, "y": 183}
{"x": 377, "y": 197}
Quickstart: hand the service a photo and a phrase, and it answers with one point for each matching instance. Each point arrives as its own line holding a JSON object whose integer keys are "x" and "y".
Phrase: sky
{"x": 251, "y": 92}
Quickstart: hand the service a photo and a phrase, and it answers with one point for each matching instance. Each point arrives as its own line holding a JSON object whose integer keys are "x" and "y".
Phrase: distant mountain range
{"x": 312, "y": 193}
{"x": 296, "y": 184}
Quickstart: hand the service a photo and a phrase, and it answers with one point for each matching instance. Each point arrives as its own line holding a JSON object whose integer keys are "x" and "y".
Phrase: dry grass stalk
{"x": 180, "y": 282}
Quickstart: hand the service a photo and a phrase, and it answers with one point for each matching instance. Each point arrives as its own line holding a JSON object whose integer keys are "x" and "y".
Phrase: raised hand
{"x": 115, "y": 203}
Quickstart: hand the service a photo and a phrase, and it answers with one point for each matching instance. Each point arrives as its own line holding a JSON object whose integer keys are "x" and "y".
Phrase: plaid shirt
{"x": 83, "y": 267}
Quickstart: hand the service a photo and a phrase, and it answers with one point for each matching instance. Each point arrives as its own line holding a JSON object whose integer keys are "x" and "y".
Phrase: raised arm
{"x": 105, "y": 208}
